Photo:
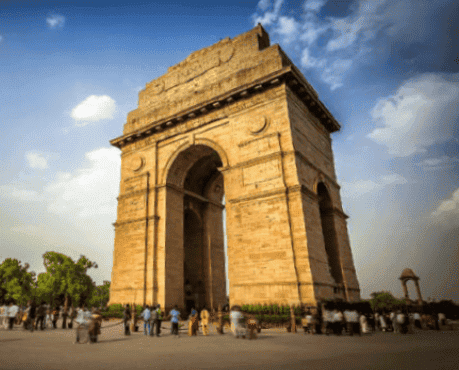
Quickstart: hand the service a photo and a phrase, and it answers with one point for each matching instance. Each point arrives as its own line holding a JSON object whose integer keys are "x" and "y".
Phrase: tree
{"x": 65, "y": 279}
{"x": 16, "y": 282}
{"x": 100, "y": 295}
{"x": 385, "y": 301}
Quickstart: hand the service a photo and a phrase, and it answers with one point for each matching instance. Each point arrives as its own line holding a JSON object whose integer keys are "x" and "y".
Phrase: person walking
{"x": 159, "y": 319}
{"x": 146, "y": 314}
{"x": 205, "y": 321}
{"x": 175, "y": 316}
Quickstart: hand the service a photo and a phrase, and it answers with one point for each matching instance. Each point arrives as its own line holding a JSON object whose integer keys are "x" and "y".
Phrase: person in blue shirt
{"x": 146, "y": 320}
{"x": 175, "y": 317}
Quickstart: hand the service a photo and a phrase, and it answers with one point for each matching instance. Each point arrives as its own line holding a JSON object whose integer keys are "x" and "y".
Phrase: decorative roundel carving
{"x": 137, "y": 163}
{"x": 258, "y": 124}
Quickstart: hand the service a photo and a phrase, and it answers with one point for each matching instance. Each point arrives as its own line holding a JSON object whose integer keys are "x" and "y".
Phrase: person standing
{"x": 193, "y": 320}
{"x": 71, "y": 317}
{"x": 41, "y": 313}
{"x": 3, "y": 317}
{"x": 205, "y": 321}
{"x": 31, "y": 316}
{"x": 153, "y": 317}
{"x": 81, "y": 321}
{"x": 328, "y": 320}
{"x": 146, "y": 314}
{"x": 364, "y": 327}
{"x": 55, "y": 316}
{"x": 127, "y": 319}
{"x": 401, "y": 321}
{"x": 236, "y": 318}
{"x": 159, "y": 319}
{"x": 338, "y": 319}
{"x": 12, "y": 313}
{"x": 175, "y": 316}
{"x": 252, "y": 327}
{"x": 417, "y": 320}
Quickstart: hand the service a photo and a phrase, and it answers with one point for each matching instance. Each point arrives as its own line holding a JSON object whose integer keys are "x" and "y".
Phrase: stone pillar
{"x": 418, "y": 291}
{"x": 405, "y": 289}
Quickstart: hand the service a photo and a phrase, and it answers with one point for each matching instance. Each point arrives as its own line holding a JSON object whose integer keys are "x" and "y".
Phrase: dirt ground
{"x": 274, "y": 349}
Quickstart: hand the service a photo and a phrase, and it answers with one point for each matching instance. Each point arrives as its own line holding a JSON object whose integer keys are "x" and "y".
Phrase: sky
{"x": 388, "y": 70}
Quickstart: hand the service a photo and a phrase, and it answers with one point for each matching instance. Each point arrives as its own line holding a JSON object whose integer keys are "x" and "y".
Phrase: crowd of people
{"x": 325, "y": 319}
{"x": 42, "y": 316}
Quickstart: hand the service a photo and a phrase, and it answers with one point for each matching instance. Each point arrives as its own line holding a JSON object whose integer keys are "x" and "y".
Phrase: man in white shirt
{"x": 12, "y": 312}
{"x": 82, "y": 320}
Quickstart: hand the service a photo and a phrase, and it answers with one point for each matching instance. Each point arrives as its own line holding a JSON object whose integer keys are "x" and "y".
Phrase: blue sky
{"x": 387, "y": 70}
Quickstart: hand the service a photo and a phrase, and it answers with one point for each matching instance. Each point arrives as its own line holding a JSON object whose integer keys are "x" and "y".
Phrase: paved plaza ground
{"x": 274, "y": 349}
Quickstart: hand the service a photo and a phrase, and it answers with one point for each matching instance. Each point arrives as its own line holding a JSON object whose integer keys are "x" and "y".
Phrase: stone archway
{"x": 194, "y": 195}
{"x": 238, "y": 120}
{"x": 407, "y": 275}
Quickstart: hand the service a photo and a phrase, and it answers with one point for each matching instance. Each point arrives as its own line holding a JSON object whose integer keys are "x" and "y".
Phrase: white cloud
{"x": 447, "y": 211}
{"x": 25, "y": 195}
{"x": 37, "y": 160}
{"x": 288, "y": 28}
{"x": 334, "y": 74}
{"x": 55, "y": 21}
{"x": 94, "y": 108}
{"x": 264, "y": 4}
{"x": 358, "y": 188}
{"x": 311, "y": 31}
{"x": 424, "y": 111}
{"x": 314, "y": 5}
{"x": 269, "y": 17}
{"x": 440, "y": 163}
{"x": 89, "y": 191}
{"x": 307, "y": 61}
{"x": 346, "y": 38}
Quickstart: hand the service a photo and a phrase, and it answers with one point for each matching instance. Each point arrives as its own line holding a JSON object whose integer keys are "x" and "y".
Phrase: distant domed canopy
{"x": 408, "y": 274}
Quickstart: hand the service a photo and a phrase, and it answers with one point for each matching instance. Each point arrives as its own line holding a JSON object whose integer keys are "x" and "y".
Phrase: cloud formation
{"x": 94, "y": 108}
{"x": 447, "y": 212}
{"x": 424, "y": 111}
{"x": 331, "y": 40}
{"x": 440, "y": 163}
{"x": 36, "y": 160}
{"x": 55, "y": 21}
{"x": 360, "y": 187}
{"x": 89, "y": 191}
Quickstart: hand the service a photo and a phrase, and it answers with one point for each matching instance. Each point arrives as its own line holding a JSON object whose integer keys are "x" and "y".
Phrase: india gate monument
{"x": 233, "y": 134}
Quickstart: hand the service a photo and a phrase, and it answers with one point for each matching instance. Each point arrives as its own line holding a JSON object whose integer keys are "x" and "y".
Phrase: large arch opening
{"x": 329, "y": 233}
{"x": 195, "y": 175}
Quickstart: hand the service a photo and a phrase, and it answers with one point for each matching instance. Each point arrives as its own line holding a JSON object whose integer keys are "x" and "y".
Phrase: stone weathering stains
{"x": 234, "y": 121}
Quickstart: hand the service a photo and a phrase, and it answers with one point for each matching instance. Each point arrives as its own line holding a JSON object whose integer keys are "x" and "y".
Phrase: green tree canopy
{"x": 385, "y": 301}
{"x": 100, "y": 295}
{"x": 16, "y": 282}
{"x": 65, "y": 278}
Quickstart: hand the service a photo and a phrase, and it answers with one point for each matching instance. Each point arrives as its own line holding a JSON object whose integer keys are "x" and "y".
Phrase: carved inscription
{"x": 261, "y": 172}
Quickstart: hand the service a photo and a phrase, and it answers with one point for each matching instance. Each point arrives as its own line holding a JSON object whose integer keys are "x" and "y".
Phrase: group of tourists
{"x": 349, "y": 320}
{"x": 34, "y": 316}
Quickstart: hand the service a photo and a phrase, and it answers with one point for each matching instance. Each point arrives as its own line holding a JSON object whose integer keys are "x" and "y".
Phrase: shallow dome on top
{"x": 408, "y": 274}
